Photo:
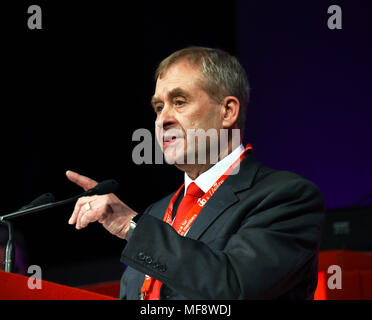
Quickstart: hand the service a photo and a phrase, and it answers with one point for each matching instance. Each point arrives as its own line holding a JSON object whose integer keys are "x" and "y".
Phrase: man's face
{"x": 182, "y": 105}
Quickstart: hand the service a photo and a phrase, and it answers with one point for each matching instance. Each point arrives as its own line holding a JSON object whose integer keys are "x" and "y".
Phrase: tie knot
{"x": 194, "y": 191}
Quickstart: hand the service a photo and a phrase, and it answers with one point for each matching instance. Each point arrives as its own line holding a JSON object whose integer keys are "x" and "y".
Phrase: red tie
{"x": 193, "y": 193}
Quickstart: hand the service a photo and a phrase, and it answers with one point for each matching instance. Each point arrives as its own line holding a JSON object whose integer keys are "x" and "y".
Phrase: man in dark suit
{"x": 236, "y": 229}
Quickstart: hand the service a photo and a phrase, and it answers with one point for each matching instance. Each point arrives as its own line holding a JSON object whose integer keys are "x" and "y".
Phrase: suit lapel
{"x": 225, "y": 196}
{"x": 218, "y": 203}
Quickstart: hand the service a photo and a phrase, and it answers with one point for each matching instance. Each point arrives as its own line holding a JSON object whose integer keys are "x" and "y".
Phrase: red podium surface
{"x": 15, "y": 287}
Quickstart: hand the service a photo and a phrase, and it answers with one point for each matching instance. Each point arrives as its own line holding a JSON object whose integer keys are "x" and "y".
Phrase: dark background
{"x": 74, "y": 92}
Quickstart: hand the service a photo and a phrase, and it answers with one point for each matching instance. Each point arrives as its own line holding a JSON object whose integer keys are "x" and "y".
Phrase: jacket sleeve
{"x": 262, "y": 259}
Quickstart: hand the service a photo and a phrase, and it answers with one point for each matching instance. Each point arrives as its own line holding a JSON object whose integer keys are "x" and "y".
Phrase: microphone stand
{"x": 9, "y": 250}
{"x": 10, "y": 247}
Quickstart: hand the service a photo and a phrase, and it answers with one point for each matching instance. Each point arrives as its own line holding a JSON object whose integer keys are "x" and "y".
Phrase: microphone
{"x": 10, "y": 247}
{"x": 104, "y": 187}
{"x": 43, "y": 199}
{"x": 43, "y": 202}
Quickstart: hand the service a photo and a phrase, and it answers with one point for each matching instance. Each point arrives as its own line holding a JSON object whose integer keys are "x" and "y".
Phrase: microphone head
{"x": 104, "y": 187}
{"x": 43, "y": 199}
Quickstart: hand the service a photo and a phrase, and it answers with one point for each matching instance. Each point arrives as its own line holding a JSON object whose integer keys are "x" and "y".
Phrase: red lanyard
{"x": 194, "y": 212}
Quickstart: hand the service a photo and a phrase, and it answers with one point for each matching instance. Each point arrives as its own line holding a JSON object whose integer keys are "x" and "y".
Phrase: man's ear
{"x": 230, "y": 112}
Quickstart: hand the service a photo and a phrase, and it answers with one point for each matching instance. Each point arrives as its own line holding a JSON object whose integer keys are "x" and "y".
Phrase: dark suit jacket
{"x": 256, "y": 238}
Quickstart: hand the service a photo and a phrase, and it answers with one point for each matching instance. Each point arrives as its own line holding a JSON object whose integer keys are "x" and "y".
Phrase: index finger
{"x": 82, "y": 181}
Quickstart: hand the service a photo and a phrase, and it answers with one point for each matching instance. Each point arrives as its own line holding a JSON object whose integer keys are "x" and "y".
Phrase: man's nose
{"x": 166, "y": 118}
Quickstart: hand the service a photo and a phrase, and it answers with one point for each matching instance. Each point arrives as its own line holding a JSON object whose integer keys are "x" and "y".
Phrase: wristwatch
{"x": 132, "y": 226}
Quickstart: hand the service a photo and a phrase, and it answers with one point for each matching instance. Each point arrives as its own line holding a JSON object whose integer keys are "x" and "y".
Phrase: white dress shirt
{"x": 206, "y": 180}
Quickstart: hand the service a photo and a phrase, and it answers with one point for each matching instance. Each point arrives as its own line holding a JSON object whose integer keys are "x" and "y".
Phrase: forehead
{"x": 181, "y": 74}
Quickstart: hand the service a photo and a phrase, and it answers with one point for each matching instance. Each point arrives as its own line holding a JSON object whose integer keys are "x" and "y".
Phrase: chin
{"x": 174, "y": 156}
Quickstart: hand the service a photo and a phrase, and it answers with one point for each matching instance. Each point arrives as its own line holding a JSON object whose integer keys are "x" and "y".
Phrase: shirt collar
{"x": 206, "y": 180}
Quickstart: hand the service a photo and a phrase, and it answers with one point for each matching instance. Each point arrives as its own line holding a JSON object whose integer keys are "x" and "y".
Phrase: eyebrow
{"x": 176, "y": 92}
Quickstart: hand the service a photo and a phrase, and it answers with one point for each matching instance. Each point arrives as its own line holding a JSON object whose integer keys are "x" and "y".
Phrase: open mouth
{"x": 168, "y": 140}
